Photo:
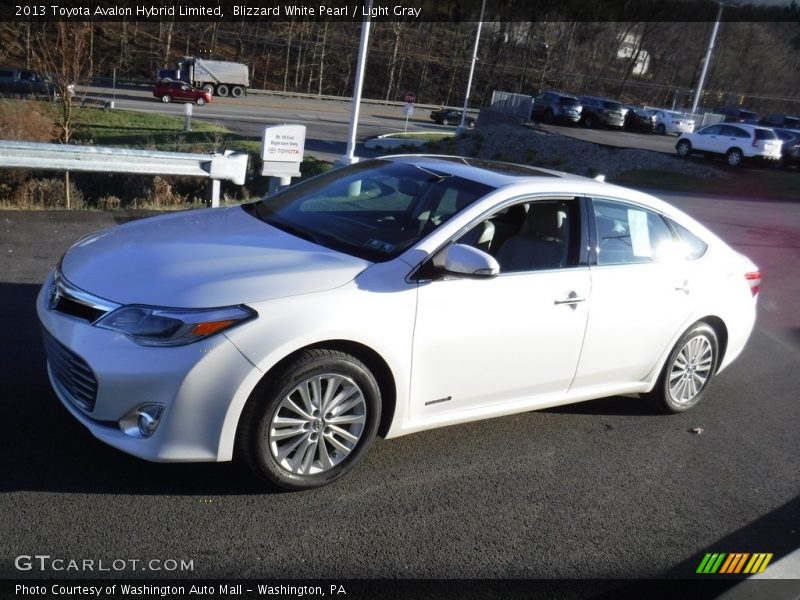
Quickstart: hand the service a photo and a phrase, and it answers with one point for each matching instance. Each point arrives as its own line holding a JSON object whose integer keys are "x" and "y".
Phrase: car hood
{"x": 203, "y": 258}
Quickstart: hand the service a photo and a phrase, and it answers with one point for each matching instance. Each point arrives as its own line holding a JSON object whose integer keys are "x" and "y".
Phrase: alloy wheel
{"x": 691, "y": 369}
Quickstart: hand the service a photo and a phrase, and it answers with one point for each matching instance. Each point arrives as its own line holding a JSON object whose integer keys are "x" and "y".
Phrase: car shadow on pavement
{"x": 614, "y": 405}
{"x": 46, "y": 449}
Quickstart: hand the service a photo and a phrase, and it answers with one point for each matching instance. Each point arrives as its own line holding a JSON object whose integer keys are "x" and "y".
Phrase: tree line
{"x": 755, "y": 64}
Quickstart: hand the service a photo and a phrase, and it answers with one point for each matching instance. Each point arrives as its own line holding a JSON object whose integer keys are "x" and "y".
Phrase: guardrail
{"x": 229, "y": 166}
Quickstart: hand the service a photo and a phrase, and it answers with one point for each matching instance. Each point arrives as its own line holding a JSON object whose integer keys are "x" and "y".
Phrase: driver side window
{"x": 530, "y": 236}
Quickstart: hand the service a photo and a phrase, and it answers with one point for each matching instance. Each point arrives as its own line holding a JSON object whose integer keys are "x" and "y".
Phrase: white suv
{"x": 735, "y": 141}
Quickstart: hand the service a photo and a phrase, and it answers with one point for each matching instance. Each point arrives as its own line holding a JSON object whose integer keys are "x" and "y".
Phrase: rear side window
{"x": 695, "y": 247}
{"x": 630, "y": 234}
{"x": 765, "y": 134}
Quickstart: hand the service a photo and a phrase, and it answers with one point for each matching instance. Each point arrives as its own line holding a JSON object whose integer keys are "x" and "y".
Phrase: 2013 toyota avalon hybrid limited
{"x": 388, "y": 297}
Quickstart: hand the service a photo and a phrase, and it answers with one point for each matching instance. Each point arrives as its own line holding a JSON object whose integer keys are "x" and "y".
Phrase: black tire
{"x": 470, "y": 124}
{"x": 200, "y": 101}
{"x": 689, "y": 369}
{"x": 272, "y": 458}
{"x": 548, "y": 117}
{"x": 660, "y": 129}
{"x": 166, "y": 98}
{"x": 222, "y": 90}
{"x": 445, "y": 122}
{"x": 684, "y": 148}
{"x": 208, "y": 88}
{"x": 734, "y": 157}
{"x": 588, "y": 122}
{"x": 237, "y": 91}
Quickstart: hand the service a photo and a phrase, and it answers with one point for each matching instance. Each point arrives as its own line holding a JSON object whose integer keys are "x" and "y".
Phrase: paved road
{"x": 599, "y": 489}
{"x": 327, "y": 121}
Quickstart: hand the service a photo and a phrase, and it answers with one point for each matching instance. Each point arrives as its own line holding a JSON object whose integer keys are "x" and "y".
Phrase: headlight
{"x": 156, "y": 326}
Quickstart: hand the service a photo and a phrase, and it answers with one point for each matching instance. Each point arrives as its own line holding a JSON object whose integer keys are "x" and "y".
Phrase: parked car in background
{"x": 738, "y": 115}
{"x": 602, "y": 111}
{"x": 393, "y": 296}
{"x": 783, "y": 121}
{"x": 168, "y": 90}
{"x": 790, "y": 146}
{"x": 638, "y": 119}
{"x": 25, "y": 82}
{"x": 671, "y": 122}
{"x": 555, "y": 107}
{"x": 735, "y": 142}
{"x": 451, "y": 116}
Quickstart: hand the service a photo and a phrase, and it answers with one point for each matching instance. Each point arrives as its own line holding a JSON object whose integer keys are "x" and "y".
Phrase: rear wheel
{"x": 548, "y": 117}
{"x": 222, "y": 90}
{"x": 312, "y": 422}
{"x": 660, "y": 129}
{"x": 688, "y": 370}
{"x": 588, "y": 122}
{"x": 734, "y": 157}
{"x": 208, "y": 88}
{"x": 684, "y": 148}
{"x": 166, "y": 98}
{"x": 237, "y": 91}
{"x": 200, "y": 101}
{"x": 445, "y": 122}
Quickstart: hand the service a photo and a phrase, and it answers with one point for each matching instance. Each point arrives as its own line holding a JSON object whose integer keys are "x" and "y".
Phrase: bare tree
{"x": 62, "y": 53}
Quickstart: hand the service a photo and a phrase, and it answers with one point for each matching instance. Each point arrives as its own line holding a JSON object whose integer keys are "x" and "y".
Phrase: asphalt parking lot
{"x": 602, "y": 489}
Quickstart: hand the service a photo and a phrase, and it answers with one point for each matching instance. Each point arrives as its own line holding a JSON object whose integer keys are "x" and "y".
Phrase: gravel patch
{"x": 536, "y": 147}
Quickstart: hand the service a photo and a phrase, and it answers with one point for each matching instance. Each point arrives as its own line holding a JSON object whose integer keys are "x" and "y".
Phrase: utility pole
{"x": 706, "y": 60}
{"x": 349, "y": 158}
{"x": 462, "y": 127}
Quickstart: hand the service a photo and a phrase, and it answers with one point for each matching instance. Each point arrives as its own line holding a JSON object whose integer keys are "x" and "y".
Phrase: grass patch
{"x": 754, "y": 183}
{"x": 428, "y": 137}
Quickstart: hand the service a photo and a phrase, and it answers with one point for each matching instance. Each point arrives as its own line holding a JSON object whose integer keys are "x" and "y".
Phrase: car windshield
{"x": 373, "y": 210}
{"x": 750, "y": 116}
{"x": 568, "y": 101}
{"x": 612, "y": 105}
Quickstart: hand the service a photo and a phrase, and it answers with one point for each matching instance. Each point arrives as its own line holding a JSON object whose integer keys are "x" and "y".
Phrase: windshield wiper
{"x": 295, "y": 231}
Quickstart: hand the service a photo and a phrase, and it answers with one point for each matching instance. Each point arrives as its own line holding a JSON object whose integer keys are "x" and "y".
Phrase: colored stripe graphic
{"x": 733, "y": 563}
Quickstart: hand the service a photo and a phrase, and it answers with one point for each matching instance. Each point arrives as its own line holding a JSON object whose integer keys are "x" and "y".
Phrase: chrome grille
{"x": 74, "y": 378}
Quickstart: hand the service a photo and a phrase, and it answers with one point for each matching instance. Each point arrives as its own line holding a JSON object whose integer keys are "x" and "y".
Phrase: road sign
{"x": 410, "y": 97}
{"x": 408, "y": 109}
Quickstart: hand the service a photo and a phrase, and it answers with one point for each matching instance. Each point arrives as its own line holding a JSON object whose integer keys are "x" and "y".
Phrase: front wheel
{"x": 684, "y": 148}
{"x": 208, "y": 88}
{"x": 688, "y": 370}
{"x": 312, "y": 422}
{"x": 166, "y": 98}
{"x": 445, "y": 122}
{"x": 200, "y": 101}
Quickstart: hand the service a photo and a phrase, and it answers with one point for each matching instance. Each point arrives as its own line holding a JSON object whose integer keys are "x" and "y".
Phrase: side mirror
{"x": 470, "y": 262}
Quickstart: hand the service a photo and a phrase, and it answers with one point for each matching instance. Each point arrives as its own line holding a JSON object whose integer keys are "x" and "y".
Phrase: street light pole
{"x": 349, "y": 158}
{"x": 462, "y": 127}
{"x": 706, "y": 60}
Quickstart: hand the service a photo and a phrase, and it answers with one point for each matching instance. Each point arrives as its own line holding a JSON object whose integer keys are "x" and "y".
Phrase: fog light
{"x": 142, "y": 421}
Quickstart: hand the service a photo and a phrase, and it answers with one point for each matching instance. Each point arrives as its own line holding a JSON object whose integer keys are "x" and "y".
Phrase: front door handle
{"x": 572, "y": 298}
{"x": 683, "y": 287}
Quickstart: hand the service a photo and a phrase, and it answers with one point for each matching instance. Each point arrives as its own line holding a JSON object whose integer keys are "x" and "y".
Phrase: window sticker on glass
{"x": 379, "y": 245}
{"x": 640, "y": 234}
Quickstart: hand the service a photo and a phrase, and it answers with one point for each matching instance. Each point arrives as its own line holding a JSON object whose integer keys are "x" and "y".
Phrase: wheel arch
{"x": 719, "y": 327}
{"x": 372, "y": 359}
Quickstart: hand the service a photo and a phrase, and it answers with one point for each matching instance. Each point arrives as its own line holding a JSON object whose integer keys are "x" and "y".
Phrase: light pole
{"x": 706, "y": 60}
{"x": 349, "y": 158}
{"x": 462, "y": 127}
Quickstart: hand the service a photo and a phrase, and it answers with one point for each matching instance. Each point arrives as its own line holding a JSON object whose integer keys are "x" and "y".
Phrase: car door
{"x": 480, "y": 343}
{"x": 641, "y": 295}
{"x": 708, "y": 139}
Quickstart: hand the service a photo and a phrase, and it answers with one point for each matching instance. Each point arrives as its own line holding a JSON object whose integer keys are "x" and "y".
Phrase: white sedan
{"x": 670, "y": 122}
{"x": 393, "y": 296}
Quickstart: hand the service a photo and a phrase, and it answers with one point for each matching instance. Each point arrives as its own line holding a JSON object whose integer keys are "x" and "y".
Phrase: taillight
{"x": 754, "y": 280}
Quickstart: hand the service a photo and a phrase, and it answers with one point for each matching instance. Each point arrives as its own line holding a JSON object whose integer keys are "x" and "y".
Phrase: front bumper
{"x": 194, "y": 383}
